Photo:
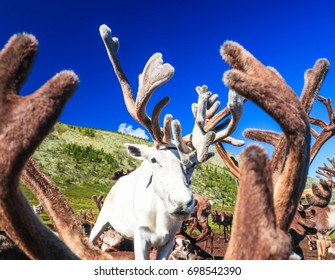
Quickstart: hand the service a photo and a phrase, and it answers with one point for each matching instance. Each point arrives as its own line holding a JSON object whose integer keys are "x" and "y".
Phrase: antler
{"x": 256, "y": 187}
{"x": 24, "y": 122}
{"x": 321, "y": 195}
{"x": 327, "y": 172}
{"x": 87, "y": 217}
{"x": 313, "y": 80}
{"x": 328, "y": 130}
{"x": 155, "y": 74}
{"x": 231, "y": 165}
{"x": 261, "y": 85}
{"x": 302, "y": 224}
{"x": 98, "y": 201}
{"x": 207, "y": 127}
{"x": 212, "y": 123}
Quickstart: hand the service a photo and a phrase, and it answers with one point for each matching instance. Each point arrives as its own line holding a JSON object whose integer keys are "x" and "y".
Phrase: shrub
{"x": 88, "y": 153}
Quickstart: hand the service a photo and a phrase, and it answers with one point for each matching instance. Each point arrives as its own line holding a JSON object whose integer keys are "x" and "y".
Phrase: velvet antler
{"x": 255, "y": 234}
{"x": 66, "y": 223}
{"x": 24, "y": 122}
{"x": 314, "y": 78}
{"x": 266, "y": 88}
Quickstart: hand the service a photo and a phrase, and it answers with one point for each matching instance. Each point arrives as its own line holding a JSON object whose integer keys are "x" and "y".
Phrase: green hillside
{"x": 81, "y": 162}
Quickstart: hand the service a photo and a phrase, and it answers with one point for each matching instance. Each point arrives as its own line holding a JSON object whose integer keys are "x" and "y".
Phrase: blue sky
{"x": 288, "y": 35}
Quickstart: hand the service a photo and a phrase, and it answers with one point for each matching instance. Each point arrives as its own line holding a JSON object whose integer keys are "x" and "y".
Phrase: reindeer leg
{"x": 224, "y": 233}
{"x": 212, "y": 238}
{"x": 142, "y": 245}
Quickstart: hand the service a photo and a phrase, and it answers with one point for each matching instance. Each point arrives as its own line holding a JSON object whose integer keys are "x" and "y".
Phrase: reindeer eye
{"x": 153, "y": 160}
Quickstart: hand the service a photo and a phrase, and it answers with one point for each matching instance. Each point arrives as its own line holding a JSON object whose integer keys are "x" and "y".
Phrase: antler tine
{"x": 155, "y": 74}
{"x": 235, "y": 105}
{"x": 326, "y": 172}
{"x": 256, "y": 82}
{"x": 320, "y": 196}
{"x": 157, "y": 132}
{"x": 332, "y": 161}
{"x": 266, "y": 136}
{"x": 167, "y": 128}
{"x": 313, "y": 80}
{"x": 98, "y": 201}
{"x": 184, "y": 151}
{"x": 213, "y": 106}
{"x": 206, "y": 129}
{"x": 227, "y": 160}
{"x": 327, "y": 130}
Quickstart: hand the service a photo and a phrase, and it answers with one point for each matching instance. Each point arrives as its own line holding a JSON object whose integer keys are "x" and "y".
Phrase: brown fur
{"x": 302, "y": 225}
{"x": 261, "y": 85}
{"x": 59, "y": 211}
{"x": 255, "y": 234}
{"x": 202, "y": 209}
{"x": 199, "y": 221}
{"x": 24, "y": 122}
{"x": 272, "y": 193}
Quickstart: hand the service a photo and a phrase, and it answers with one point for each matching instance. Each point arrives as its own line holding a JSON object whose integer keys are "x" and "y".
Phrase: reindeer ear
{"x": 138, "y": 151}
{"x": 195, "y": 202}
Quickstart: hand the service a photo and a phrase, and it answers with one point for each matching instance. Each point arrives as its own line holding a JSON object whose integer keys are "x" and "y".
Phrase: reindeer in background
{"x": 225, "y": 219}
{"x": 199, "y": 221}
{"x": 323, "y": 212}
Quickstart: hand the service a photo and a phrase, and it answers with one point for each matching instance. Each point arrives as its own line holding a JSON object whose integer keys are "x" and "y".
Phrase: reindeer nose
{"x": 181, "y": 206}
{"x": 181, "y": 196}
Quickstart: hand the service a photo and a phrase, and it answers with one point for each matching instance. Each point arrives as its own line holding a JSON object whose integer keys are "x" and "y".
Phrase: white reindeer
{"x": 149, "y": 204}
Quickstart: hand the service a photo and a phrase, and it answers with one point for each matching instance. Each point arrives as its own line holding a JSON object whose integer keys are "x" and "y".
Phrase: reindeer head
{"x": 215, "y": 217}
{"x": 202, "y": 208}
{"x": 169, "y": 177}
